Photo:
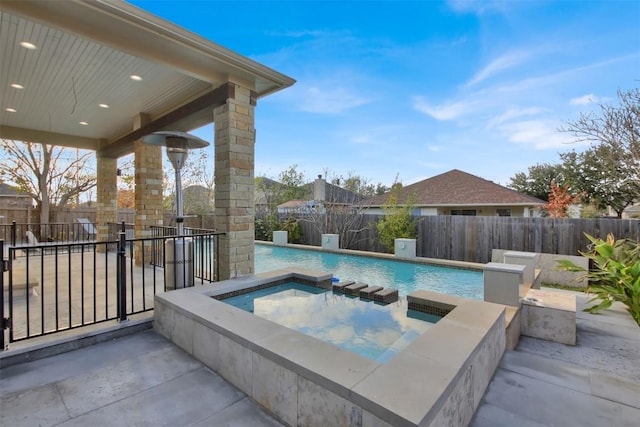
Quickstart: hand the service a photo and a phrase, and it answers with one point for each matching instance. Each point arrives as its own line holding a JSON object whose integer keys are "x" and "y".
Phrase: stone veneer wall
{"x": 148, "y": 196}
{"x": 438, "y": 380}
{"x": 549, "y": 272}
{"x": 107, "y": 197}
{"x": 234, "y": 180}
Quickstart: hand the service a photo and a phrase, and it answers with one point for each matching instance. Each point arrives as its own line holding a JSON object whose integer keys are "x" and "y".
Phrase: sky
{"x": 407, "y": 90}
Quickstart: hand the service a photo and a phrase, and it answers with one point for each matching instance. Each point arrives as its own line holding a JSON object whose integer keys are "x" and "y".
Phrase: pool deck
{"x": 143, "y": 379}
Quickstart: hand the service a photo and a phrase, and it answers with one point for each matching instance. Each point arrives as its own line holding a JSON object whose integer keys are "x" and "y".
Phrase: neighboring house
{"x": 460, "y": 193}
{"x": 321, "y": 195}
{"x": 632, "y": 212}
{"x": 13, "y": 197}
{"x": 15, "y": 205}
{"x": 265, "y": 190}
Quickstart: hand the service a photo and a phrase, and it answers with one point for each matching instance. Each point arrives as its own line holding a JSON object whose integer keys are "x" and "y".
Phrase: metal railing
{"x": 19, "y": 233}
{"x": 60, "y": 286}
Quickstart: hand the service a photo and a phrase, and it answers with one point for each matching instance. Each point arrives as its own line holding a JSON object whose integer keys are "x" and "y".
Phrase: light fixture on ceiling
{"x": 84, "y": 123}
{"x": 103, "y": 105}
{"x": 16, "y": 86}
{"x": 11, "y": 110}
{"x": 28, "y": 45}
{"x": 135, "y": 77}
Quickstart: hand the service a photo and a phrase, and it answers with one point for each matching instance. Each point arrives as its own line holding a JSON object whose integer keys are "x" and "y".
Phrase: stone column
{"x": 107, "y": 197}
{"x": 234, "y": 170}
{"x": 148, "y": 196}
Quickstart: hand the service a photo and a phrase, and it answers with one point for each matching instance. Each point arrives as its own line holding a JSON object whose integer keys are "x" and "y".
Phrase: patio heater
{"x": 179, "y": 252}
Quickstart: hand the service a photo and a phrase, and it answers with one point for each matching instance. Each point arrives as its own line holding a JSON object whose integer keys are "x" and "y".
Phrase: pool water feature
{"x": 438, "y": 379}
{"x": 389, "y": 273}
{"x": 375, "y": 331}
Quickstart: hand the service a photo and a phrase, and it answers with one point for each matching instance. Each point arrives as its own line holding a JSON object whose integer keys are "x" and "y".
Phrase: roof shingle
{"x": 457, "y": 188}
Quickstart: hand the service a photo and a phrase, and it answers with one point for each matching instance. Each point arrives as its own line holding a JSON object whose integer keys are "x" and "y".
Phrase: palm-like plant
{"x": 616, "y": 276}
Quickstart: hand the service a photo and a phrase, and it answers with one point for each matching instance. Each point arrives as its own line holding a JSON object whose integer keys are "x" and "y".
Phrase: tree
{"x": 601, "y": 175}
{"x": 54, "y": 176}
{"x": 197, "y": 184}
{"x": 359, "y": 185}
{"x": 616, "y": 132}
{"x": 560, "y": 199}
{"x": 398, "y": 221}
{"x": 340, "y": 212}
{"x": 537, "y": 182}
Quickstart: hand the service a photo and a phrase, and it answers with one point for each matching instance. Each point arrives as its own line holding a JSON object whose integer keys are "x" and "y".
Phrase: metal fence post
{"x": 121, "y": 277}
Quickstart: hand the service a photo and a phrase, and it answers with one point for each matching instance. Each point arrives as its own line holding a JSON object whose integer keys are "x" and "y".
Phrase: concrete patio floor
{"x": 143, "y": 379}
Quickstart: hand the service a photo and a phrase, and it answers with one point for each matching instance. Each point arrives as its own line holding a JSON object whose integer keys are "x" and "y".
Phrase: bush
{"x": 615, "y": 276}
{"x": 294, "y": 232}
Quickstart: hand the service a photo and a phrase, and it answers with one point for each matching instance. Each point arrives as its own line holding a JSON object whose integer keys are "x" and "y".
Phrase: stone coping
{"x": 433, "y": 380}
{"x": 550, "y": 299}
{"x": 465, "y": 265}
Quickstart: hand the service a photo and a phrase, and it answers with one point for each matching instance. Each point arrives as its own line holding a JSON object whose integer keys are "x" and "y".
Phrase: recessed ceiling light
{"x": 135, "y": 77}
{"x": 12, "y": 110}
{"x": 103, "y": 105}
{"x": 84, "y": 123}
{"x": 28, "y": 45}
{"x": 16, "y": 86}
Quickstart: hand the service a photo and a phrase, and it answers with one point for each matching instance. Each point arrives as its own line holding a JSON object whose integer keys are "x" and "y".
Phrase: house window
{"x": 503, "y": 212}
{"x": 467, "y": 212}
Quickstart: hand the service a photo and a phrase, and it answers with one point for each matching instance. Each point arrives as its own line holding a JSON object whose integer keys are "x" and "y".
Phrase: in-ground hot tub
{"x": 437, "y": 379}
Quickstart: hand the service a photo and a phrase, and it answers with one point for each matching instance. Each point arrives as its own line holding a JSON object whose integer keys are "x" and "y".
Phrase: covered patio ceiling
{"x": 76, "y": 89}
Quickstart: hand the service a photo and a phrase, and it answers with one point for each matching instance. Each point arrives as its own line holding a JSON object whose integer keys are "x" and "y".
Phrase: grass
{"x": 563, "y": 287}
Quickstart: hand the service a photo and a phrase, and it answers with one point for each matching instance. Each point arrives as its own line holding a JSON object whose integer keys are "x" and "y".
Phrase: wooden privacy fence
{"x": 469, "y": 238}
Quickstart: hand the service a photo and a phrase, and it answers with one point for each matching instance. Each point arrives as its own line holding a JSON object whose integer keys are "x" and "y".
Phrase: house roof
{"x": 291, "y": 204}
{"x": 457, "y": 188}
{"x": 85, "y": 53}
{"x": 11, "y": 191}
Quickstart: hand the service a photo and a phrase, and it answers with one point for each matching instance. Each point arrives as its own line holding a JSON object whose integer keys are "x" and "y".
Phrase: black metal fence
{"x": 25, "y": 233}
{"x": 52, "y": 287}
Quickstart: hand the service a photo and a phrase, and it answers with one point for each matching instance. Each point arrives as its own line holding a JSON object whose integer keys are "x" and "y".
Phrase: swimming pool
{"x": 404, "y": 276}
{"x": 371, "y": 330}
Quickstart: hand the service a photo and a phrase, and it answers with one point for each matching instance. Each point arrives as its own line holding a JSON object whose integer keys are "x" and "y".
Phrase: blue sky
{"x": 414, "y": 89}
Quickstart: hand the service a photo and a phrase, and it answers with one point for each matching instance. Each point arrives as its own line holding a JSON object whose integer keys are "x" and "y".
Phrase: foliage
{"x": 591, "y": 211}
{"x": 292, "y": 185}
{"x": 398, "y": 221}
{"x": 126, "y": 198}
{"x": 264, "y": 227}
{"x": 358, "y": 184}
{"x": 559, "y": 200}
{"x": 601, "y": 175}
{"x": 616, "y": 276}
{"x": 340, "y": 210}
{"x": 537, "y": 182}
{"x": 54, "y": 176}
{"x": 616, "y": 127}
{"x": 292, "y": 227}
{"x": 608, "y": 172}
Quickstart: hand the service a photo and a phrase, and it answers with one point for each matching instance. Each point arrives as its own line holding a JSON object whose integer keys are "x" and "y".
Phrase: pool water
{"x": 404, "y": 276}
{"x": 371, "y": 330}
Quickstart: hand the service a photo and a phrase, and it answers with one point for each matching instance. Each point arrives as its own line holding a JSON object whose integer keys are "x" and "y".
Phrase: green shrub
{"x": 398, "y": 221}
{"x": 294, "y": 232}
{"x": 615, "y": 276}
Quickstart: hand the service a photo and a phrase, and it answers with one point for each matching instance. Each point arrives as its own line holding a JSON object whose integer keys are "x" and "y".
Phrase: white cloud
{"x": 584, "y": 100}
{"x": 447, "y": 111}
{"x": 513, "y": 113}
{"x": 479, "y": 7}
{"x": 499, "y": 64}
{"x": 541, "y": 134}
{"x": 316, "y": 99}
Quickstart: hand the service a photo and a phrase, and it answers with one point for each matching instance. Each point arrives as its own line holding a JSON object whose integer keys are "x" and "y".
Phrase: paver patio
{"x": 142, "y": 379}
